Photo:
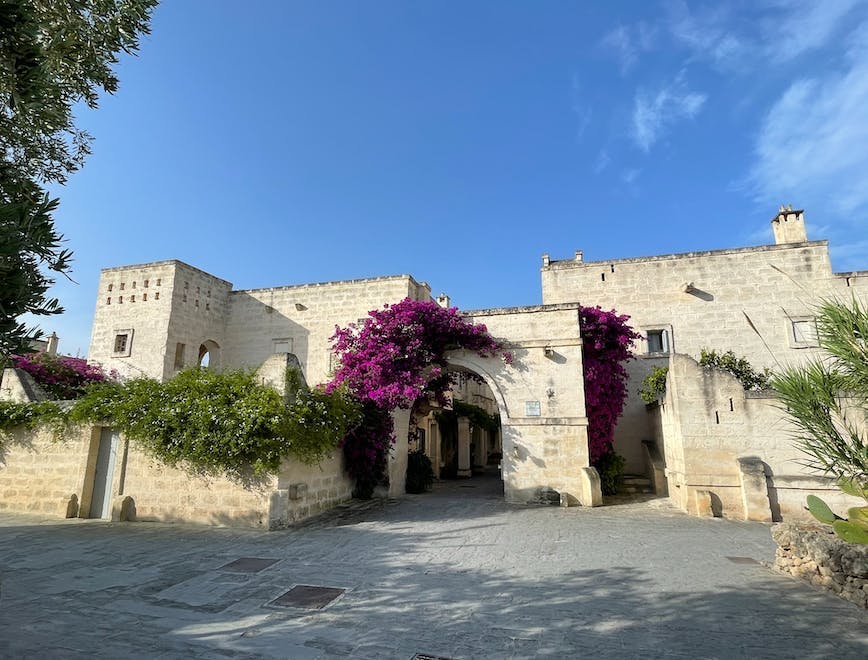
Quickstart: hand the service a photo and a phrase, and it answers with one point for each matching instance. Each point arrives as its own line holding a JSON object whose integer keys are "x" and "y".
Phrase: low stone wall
{"x": 815, "y": 554}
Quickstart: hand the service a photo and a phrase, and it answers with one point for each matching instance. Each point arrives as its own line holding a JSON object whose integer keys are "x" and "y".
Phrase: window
{"x": 803, "y": 332}
{"x": 123, "y": 343}
{"x": 145, "y": 283}
{"x": 179, "y": 355}
{"x": 282, "y": 345}
{"x": 122, "y": 286}
{"x": 658, "y": 341}
{"x": 111, "y": 286}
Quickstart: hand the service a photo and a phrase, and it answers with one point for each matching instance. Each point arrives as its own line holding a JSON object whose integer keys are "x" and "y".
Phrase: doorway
{"x": 101, "y": 500}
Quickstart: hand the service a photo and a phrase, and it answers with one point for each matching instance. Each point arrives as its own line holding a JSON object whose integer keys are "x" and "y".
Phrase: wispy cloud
{"x": 603, "y": 161}
{"x": 628, "y": 42}
{"x": 580, "y": 108}
{"x": 629, "y": 176}
{"x": 810, "y": 22}
{"x": 812, "y": 146}
{"x": 656, "y": 112}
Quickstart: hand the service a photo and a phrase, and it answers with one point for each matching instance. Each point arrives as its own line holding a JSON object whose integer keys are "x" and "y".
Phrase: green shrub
{"x": 654, "y": 385}
{"x": 420, "y": 472}
{"x": 740, "y": 368}
{"x": 610, "y": 467}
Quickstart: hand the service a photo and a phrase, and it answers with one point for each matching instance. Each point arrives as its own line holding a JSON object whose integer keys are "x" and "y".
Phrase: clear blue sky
{"x": 274, "y": 143}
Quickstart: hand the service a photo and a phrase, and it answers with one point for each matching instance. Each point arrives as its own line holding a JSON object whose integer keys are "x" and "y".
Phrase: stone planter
{"x": 814, "y": 553}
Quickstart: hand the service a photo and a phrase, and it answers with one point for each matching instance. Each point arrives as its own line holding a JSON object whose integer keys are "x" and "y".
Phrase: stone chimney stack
{"x": 51, "y": 344}
{"x": 789, "y": 226}
{"x": 443, "y": 300}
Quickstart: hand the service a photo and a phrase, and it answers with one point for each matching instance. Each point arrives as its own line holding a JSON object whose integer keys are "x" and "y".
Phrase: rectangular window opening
{"x": 658, "y": 341}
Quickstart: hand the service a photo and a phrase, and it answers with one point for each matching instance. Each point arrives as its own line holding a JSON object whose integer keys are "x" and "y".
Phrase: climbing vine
{"x": 392, "y": 358}
{"x": 606, "y": 341}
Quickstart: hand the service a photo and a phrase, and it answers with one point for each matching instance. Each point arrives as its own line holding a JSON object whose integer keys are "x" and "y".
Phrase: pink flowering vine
{"x": 606, "y": 341}
{"x": 62, "y": 377}
{"x": 394, "y": 357}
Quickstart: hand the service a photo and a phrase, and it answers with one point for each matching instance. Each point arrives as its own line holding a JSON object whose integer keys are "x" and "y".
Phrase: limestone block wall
{"x": 300, "y": 319}
{"x": 170, "y": 494}
{"x": 540, "y": 398}
{"x": 744, "y": 300}
{"x": 715, "y": 435}
{"x": 306, "y": 490}
{"x": 38, "y": 473}
{"x": 158, "y": 305}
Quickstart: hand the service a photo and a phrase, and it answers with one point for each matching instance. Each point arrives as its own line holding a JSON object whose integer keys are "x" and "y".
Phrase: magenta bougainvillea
{"x": 394, "y": 357}
{"x": 606, "y": 341}
{"x": 62, "y": 377}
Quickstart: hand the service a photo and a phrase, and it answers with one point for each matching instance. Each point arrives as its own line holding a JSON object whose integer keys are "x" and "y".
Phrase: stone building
{"x": 712, "y": 447}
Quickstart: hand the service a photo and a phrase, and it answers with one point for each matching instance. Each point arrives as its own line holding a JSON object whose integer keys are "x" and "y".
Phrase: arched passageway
{"x": 209, "y": 354}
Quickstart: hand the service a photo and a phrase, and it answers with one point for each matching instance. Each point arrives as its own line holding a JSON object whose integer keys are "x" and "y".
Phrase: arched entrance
{"x": 541, "y": 402}
{"x": 209, "y": 354}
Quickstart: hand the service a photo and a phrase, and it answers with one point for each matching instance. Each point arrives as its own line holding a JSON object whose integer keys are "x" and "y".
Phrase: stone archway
{"x": 540, "y": 397}
{"x": 209, "y": 354}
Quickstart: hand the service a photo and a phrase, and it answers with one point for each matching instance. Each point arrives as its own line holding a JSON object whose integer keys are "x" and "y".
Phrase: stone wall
{"x": 815, "y": 554}
{"x": 744, "y": 299}
{"x": 39, "y": 474}
{"x": 729, "y": 452}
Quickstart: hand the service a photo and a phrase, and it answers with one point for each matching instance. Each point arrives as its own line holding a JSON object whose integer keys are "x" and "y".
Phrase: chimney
{"x": 51, "y": 344}
{"x": 789, "y": 226}
{"x": 443, "y": 300}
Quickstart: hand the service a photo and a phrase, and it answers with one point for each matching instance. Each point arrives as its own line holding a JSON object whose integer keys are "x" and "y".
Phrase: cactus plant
{"x": 853, "y": 529}
{"x": 821, "y": 511}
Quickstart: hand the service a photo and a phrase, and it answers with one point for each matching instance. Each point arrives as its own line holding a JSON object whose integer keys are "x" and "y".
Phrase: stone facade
{"x": 755, "y": 301}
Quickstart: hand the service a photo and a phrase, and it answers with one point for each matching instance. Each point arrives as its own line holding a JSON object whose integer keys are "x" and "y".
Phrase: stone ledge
{"x": 815, "y": 554}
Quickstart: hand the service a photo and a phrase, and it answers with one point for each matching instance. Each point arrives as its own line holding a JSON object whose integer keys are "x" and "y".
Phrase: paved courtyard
{"x": 456, "y": 573}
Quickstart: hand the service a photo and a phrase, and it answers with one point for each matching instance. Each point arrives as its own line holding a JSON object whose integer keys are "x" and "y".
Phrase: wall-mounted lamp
{"x": 688, "y": 287}
{"x": 299, "y": 307}
{"x": 548, "y": 351}
{"x": 550, "y": 392}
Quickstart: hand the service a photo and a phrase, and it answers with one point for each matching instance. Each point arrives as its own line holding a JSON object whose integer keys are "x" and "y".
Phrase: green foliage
{"x": 826, "y": 399}
{"x": 654, "y": 385}
{"x": 820, "y": 510}
{"x": 420, "y": 472}
{"x": 223, "y": 422}
{"x": 53, "y": 55}
{"x": 27, "y": 415}
{"x": 851, "y": 532}
{"x": 610, "y": 467}
{"x": 740, "y": 368}
{"x": 478, "y": 416}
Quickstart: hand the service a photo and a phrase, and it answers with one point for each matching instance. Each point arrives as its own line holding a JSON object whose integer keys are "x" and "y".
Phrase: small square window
{"x": 146, "y": 283}
{"x": 144, "y": 297}
{"x": 123, "y": 343}
{"x": 803, "y": 332}
{"x": 122, "y": 286}
{"x": 134, "y": 284}
{"x": 111, "y": 286}
{"x": 179, "y": 355}
{"x": 108, "y": 301}
{"x": 658, "y": 341}
{"x": 157, "y": 295}
{"x": 159, "y": 281}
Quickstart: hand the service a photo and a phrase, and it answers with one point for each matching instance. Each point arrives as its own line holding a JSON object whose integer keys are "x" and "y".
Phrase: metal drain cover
{"x": 742, "y": 560}
{"x": 307, "y": 597}
{"x": 248, "y": 565}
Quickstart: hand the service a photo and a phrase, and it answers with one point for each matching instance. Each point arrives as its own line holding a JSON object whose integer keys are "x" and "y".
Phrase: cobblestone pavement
{"x": 456, "y": 573}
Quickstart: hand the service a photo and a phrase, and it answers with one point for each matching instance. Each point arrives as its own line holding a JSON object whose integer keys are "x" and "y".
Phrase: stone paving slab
{"x": 456, "y": 573}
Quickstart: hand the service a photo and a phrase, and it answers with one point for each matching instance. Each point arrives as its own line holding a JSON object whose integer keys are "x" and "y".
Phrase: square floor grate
{"x": 308, "y": 597}
{"x": 742, "y": 560}
{"x": 248, "y": 565}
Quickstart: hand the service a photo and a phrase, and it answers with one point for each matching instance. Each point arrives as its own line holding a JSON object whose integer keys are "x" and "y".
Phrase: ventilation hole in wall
{"x": 122, "y": 286}
{"x": 197, "y": 303}
{"x": 132, "y": 298}
{"x": 108, "y": 301}
{"x": 186, "y": 285}
{"x": 146, "y": 283}
{"x": 612, "y": 266}
{"x": 207, "y": 306}
{"x": 157, "y": 295}
{"x": 603, "y": 276}
{"x": 120, "y": 300}
{"x": 731, "y": 406}
{"x": 716, "y": 417}
{"x": 134, "y": 284}
{"x": 158, "y": 281}
{"x": 111, "y": 286}
{"x": 144, "y": 297}
{"x": 184, "y": 299}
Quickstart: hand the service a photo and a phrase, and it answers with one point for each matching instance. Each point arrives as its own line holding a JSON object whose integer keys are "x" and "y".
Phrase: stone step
{"x": 635, "y": 483}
